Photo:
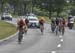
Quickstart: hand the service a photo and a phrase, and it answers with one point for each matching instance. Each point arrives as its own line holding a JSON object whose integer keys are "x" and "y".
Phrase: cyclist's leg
{"x": 71, "y": 26}
{"x": 60, "y": 28}
{"x": 20, "y": 36}
{"x": 63, "y": 30}
{"x": 26, "y": 29}
{"x": 56, "y": 30}
{"x": 52, "y": 27}
{"x": 41, "y": 28}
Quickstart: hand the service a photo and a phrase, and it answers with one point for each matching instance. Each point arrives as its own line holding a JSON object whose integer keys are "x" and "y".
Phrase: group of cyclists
{"x": 58, "y": 25}
{"x": 22, "y": 27}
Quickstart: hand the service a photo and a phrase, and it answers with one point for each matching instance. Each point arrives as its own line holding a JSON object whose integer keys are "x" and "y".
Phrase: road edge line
{"x": 9, "y": 37}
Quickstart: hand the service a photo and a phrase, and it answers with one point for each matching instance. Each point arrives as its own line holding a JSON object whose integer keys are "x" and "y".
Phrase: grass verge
{"x": 6, "y": 29}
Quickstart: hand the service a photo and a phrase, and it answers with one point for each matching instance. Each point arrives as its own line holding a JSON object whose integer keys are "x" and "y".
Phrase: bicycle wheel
{"x": 52, "y": 29}
{"x": 20, "y": 36}
{"x": 60, "y": 28}
{"x": 63, "y": 30}
{"x": 56, "y": 30}
{"x": 26, "y": 29}
{"x": 42, "y": 29}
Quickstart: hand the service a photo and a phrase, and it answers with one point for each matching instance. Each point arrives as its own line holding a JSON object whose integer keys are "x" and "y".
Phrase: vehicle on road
{"x": 6, "y": 16}
{"x": 33, "y": 21}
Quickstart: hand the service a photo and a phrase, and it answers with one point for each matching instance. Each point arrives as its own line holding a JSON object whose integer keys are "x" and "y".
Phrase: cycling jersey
{"x": 26, "y": 21}
{"x": 57, "y": 22}
{"x": 21, "y": 23}
{"x": 41, "y": 22}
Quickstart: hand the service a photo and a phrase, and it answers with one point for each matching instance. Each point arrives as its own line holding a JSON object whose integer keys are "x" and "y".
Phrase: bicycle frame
{"x": 57, "y": 29}
{"x": 63, "y": 30}
{"x": 20, "y": 35}
{"x": 42, "y": 28}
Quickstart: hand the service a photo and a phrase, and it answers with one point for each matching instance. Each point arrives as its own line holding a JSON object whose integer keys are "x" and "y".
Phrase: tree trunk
{"x": 58, "y": 13}
{"x": 50, "y": 14}
{"x": 25, "y": 9}
{"x": 14, "y": 9}
{"x": 2, "y": 7}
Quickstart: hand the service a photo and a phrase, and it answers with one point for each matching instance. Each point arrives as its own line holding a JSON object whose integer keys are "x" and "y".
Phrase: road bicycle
{"x": 20, "y": 35}
{"x": 53, "y": 27}
{"x": 63, "y": 30}
{"x": 42, "y": 29}
{"x": 57, "y": 30}
{"x": 26, "y": 29}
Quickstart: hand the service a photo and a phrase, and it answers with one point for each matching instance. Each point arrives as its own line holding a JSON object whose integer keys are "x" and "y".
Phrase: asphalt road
{"x": 68, "y": 44}
{"x": 35, "y": 42}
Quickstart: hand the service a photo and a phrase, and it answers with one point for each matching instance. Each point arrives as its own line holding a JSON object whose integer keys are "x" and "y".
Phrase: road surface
{"x": 35, "y": 42}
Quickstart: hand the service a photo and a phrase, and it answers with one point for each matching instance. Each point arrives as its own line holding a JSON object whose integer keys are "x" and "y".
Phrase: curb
{"x": 7, "y": 38}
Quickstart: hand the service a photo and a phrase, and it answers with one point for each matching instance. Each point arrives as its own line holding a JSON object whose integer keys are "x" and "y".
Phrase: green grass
{"x": 6, "y": 29}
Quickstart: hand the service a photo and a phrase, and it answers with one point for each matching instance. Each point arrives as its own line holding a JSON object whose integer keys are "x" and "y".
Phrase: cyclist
{"x": 21, "y": 25}
{"x": 63, "y": 24}
{"x": 60, "y": 23}
{"x": 57, "y": 22}
{"x": 41, "y": 23}
{"x": 26, "y": 21}
{"x": 53, "y": 25}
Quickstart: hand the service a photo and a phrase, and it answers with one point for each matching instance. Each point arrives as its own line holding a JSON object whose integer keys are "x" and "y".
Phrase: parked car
{"x": 6, "y": 16}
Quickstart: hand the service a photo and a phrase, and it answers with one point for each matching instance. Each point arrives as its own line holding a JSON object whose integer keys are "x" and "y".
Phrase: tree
{"x": 59, "y": 6}
{"x": 51, "y": 6}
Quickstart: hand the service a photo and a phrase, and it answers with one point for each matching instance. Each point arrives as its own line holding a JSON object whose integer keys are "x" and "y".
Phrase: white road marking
{"x": 59, "y": 45}
{"x": 53, "y": 52}
{"x": 60, "y": 36}
{"x": 61, "y": 40}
